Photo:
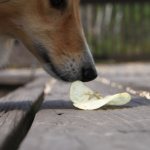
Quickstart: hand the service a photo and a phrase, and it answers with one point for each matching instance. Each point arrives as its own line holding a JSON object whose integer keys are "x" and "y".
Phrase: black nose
{"x": 88, "y": 74}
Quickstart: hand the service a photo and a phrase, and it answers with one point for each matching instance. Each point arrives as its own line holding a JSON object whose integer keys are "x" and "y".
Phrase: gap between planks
{"x": 18, "y": 110}
{"x": 58, "y": 125}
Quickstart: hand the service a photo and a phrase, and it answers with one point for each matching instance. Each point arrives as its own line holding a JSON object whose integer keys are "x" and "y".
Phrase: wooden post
{"x": 113, "y": 1}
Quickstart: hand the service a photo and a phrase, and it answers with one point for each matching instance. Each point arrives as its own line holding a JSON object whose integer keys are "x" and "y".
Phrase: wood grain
{"x": 12, "y": 77}
{"x": 17, "y": 112}
{"x": 60, "y": 126}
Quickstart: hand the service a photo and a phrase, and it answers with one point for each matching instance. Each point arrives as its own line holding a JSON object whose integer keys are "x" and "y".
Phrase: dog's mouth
{"x": 46, "y": 61}
{"x": 49, "y": 66}
{"x": 70, "y": 70}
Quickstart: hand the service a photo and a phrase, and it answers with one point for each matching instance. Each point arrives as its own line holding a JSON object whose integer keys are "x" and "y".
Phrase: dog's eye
{"x": 58, "y": 4}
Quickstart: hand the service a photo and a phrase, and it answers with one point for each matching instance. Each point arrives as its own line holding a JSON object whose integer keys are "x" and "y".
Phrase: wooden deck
{"x": 28, "y": 120}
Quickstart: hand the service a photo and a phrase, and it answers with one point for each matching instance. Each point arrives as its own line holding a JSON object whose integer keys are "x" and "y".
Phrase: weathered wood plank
{"x": 60, "y": 126}
{"x": 19, "y": 76}
{"x": 136, "y": 75}
{"x": 17, "y": 111}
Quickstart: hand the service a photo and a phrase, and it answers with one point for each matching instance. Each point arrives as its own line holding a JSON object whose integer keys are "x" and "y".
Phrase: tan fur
{"x": 60, "y": 32}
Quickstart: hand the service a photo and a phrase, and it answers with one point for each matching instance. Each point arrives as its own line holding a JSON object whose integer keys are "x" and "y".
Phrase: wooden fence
{"x": 117, "y": 31}
{"x": 113, "y": 1}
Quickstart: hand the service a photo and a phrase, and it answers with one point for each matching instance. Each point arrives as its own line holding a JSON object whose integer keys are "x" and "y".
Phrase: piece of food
{"x": 119, "y": 99}
{"x": 84, "y": 98}
{"x": 80, "y": 93}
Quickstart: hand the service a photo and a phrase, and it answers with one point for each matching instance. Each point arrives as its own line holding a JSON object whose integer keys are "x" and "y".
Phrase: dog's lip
{"x": 59, "y": 76}
{"x": 55, "y": 71}
{"x": 49, "y": 70}
{"x": 49, "y": 66}
{"x": 43, "y": 53}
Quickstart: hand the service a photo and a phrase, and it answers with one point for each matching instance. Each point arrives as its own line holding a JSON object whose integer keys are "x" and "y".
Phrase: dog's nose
{"x": 88, "y": 74}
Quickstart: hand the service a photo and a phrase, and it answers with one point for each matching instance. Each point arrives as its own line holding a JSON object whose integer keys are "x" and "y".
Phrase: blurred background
{"x": 117, "y": 31}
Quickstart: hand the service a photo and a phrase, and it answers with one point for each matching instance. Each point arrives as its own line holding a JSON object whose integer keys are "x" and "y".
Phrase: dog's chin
{"x": 56, "y": 72}
{"x": 57, "y": 75}
{"x": 48, "y": 69}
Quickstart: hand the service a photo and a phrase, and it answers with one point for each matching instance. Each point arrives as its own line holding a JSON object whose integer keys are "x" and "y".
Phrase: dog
{"x": 51, "y": 30}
